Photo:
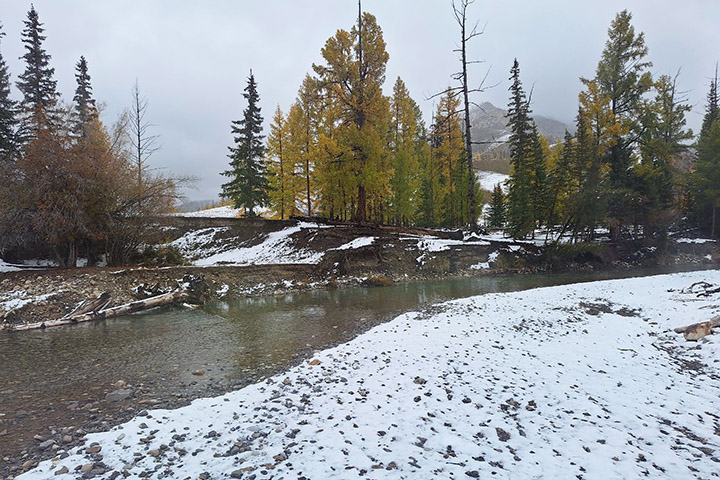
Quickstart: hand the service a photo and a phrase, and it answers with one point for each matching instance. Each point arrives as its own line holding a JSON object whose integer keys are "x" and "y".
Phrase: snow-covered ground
{"x": 276, "y": 248}
{"x": 582, "y": 381}
{"x": 216, "y": 212}
{"x": 488, "y": 180}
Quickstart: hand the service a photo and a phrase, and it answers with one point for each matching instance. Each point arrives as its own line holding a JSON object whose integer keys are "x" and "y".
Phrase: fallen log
{"x": 444, "y": 234}
{"x": 175, "y": 296}
{"x": 89, "y": 305}
{"x": 697, "y": 331}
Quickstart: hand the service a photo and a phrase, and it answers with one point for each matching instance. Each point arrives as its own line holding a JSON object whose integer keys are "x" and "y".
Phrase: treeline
{"x": 619, "y": 171}
{"x": 68, "y": 184}
{"x": 346, "y": 151}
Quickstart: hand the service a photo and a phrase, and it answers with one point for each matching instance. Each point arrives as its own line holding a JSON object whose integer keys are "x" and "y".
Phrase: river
{"x": 60, "y": 376}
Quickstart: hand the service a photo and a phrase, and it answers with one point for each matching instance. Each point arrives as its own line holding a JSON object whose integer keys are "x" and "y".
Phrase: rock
{"x": 502, "y": 435}
{"x": 39, "y": 438}
{"x": 314, "y": 362}
{"x": 47, "y": 444}
{"x": 62, "y": 470}
{"x": 28, "y": 464}
{"x": 287, "y": 381}
{"x": 237, "y": 474}
{"x": 86, "y": 468}
{"x": 118, "y": 395}
{"x": 473, "y": 474}
{"x": 198, "y": 372}
{"x": 93, "y": 449}
{"x": 67, "y": 439}
{"x": 154, "y": 453}
{"x": 419, "y": 381}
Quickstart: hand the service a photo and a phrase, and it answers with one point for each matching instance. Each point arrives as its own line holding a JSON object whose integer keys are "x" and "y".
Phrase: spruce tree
{"x": 8, "y": 112}
{"x": 85, "y": 107}
{"x": 705, "y": 181}
{"x": 36, "y": 83}
{"x": 497, "y": 214}
{"x": 248, "y": 185}
{"x": 523, "y": 149}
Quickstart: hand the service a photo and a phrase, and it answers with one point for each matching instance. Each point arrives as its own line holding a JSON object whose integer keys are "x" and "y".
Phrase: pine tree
{"x": 85, "y": 107}
{"x": 497, "y": 213}
{"x": 248, "y": 185}
{"x": 8, "y": 113}
{"x": 38, "y": 106}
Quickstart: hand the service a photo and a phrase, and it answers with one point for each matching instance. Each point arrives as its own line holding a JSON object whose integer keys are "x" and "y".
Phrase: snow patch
{"x": 356, "y": 243}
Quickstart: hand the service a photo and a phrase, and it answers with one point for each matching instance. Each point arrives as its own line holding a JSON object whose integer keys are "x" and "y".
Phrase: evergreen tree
{"x": 622, "y": 76}
{"x": 524, "y": 183}
{"x": 712, "y": 107}
{"x": 85, "y": 107}
{"x": 705, "y": 181}
{"x": 663, "y": 138}
{"x": 8, "y": 113}
{"x": 498, "y": 208}
{"x": 248, "y": 185}
{"x": 38, "y": 106}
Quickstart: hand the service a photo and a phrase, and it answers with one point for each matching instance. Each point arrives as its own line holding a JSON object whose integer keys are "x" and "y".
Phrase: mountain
{"x": 489, "y": 124}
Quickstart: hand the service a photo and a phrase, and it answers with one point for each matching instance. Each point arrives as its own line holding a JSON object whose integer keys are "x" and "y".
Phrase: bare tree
{"x": 142, "y": 142}
{"x": 466, "y": 34}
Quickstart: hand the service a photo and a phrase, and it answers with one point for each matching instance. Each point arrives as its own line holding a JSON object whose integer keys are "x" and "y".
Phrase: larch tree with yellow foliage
{"x": 353, "y": 74}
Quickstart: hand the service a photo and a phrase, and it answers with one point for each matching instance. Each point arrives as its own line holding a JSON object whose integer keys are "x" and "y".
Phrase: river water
{"x": 61, "y": 375}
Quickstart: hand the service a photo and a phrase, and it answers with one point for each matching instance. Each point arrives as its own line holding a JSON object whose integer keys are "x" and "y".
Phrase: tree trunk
{"x": 86, "y": 316}
{"x": 361, "y": 212}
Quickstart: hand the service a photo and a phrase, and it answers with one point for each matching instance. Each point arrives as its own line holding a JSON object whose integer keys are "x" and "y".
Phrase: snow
{"x": 276, "y": 248}
{"x": 19, "y": 298}
{"x": 217, "y": 212}
{"x": 486, "y": 265}
{"x": 7, "y": 267}
{"x": 578, "y": 381}
{"x": 356, "y": 243}
{"x": 433, "y": 244}
{"x": 695, "y": 240}
{"x": 488, "y": 180}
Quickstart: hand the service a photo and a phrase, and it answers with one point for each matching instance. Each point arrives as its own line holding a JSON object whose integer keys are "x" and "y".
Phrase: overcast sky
{"x": 191, "y": 58}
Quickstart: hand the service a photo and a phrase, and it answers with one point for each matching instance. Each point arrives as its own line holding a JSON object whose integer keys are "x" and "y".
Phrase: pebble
{"x": 86, "y": 468}
{"x": 62, "y": 470}
{"x": 198, "y": 372}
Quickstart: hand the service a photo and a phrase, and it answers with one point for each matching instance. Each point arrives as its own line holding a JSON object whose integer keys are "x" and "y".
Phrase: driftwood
{"x": 697, "y": 331}
{"x": 132, "y": 307}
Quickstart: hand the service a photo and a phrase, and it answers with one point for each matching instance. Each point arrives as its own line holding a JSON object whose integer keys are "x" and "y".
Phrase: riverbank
{"x": 579, "y": 381}
{"x": 241, "y": 257}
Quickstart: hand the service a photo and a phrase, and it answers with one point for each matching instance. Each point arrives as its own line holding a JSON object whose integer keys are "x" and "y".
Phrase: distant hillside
{"x": 489, "y": 124}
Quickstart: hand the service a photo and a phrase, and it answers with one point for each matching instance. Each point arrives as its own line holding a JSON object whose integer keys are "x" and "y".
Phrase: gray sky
{"x": 191, "y": 58}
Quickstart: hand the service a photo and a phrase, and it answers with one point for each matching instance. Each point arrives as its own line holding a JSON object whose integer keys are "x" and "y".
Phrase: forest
{"x": 346, "y": 150}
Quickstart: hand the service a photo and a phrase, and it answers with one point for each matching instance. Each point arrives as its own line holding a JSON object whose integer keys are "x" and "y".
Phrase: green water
{"x": 234, "y": 342}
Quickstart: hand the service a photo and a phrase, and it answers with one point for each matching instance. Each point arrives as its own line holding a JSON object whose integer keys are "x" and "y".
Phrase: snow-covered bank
{"x": 580, "y": 381}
